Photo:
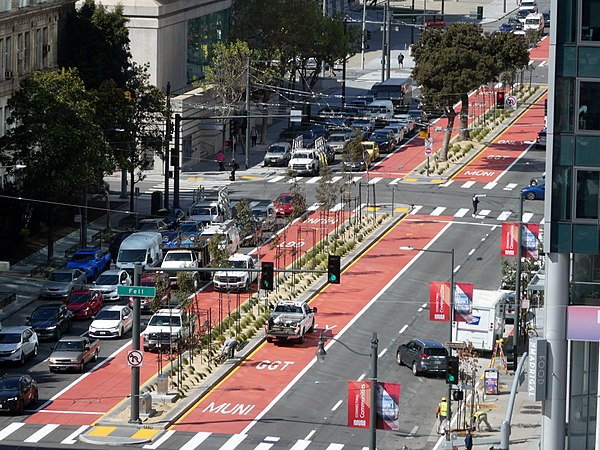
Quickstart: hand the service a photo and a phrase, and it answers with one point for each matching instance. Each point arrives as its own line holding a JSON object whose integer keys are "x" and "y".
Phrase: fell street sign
{"x": 136, "y": 291}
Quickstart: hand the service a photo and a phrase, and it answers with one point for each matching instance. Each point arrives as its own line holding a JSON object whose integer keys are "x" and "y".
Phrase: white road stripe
{"x": 527, "y": 217}
{"x": 461, "y": 212}
{"x": 447, "y": 183}
{"x": 361, "y": 377}
{"x": 294, "y": 180}
{"x": 335, "y": 180}
{"x": 313, "y": 207}
{"x": 438, "y": 211}
{"x": 490, "y": 185}
{"x": 276, "y": 179}
{"x": 313, "y": 180}
{"x": 44, "y": 431}
{"x": 160, "y": 441}
{"x": 510, "y": 186}
{"x": 375, "y": 180}
{"x": 395, "y": 181}
{"x": 309, "y": 435}
{"x": 457, "y": 268}
{"x": 338, "y": 207}
{"x": 412, "y": 433}
{"x": 383, "y": 352}
{"x": 233, "y": 441}
{"x": 403, "y": 329}
{"x": 10, "y": 429}
{"x": 196, "y": 440}
{"x": 334, "y": 446}
{"x": 484, "y": 212}
{"x": 71, "y": 439}
{"x": 504, "y": 215}
{"x": 415, "y": 209}
{"x": 300, "y": 444}
{"x": 270, "y": 441}
{"x": 467, "y": 184}
{"x": 337, "y": 405}
{"x": 472, "y": 251}
{"x": 355, "y": 179}
{"x": 543, "y": 63}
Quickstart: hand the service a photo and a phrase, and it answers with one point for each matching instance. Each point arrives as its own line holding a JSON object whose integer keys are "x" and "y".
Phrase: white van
{"x": 143, "y": 247}
{"x": 534, "y": 21}
{"x": 528, "y": 5}
{"x": 230, "y": 235}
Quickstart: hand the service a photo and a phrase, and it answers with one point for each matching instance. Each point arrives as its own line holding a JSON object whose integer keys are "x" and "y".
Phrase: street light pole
{"x": 518, "y": 282}
{"x": 364, "y": 37}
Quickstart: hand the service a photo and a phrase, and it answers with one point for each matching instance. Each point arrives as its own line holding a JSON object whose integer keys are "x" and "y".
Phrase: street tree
{"x": 510, "y": 52}
{"x": 54, "y": 134}
{"x": 449, "y": 63}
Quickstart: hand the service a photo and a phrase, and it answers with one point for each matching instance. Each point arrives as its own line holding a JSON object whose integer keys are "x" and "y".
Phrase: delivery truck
{"x": 487, "y": 321}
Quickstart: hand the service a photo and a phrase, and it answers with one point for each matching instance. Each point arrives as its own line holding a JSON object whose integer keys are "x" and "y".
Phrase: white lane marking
{"x": 309, "y": 435}
{"x": 313, "y": 180}
{"x": 161, "y": 440}
{"x": 10, "y": 429}
{"x": 334, "y": 180}
{"x": 457, "y": 268}
{"x": 196, "y": 440}
{"x": 396, "y": 181}
{"x": 233, "y": 442}
{"x": 375, "y": 180}
{"x": 504, "y": 215}
{"x": 270, "y": 441}
{"x": 301, "y": 444}
{"x": 438, "y": 211}
{"x": 44, "y": 431}
{"x": 510, "y": 186}
{"x": 313, "y": 207}
{"x": 467, "y": 184}
{"x": 338, "y": 207}
{"x": 382, "y": 352}
{"x": 472, "y": 251}
{"x": 71, "y": 439}
{"x": 337, "y": 405}
{"x": 361, "y": 377}
{"x": 403, "y": 329}
{"x": 484, "y": 212}
{"x": 276, "y": 179}
{"x": 527, "y": 217}
{"x": 424, "y": 305}
{"x": 89, "y": 413}
{"x": 350, "y": 323}
{"x": 447, "y": 183}
{"x": 490, "y": 185}
{"x": 355, "y": 179}
{"x": 334, "y": 446}
{"x": 461, "y": 212}
{"x": 412, "y": 433}
{"x": 420, "y": 310}
{"x": 543, "y": 63}
{"x": 415, "y": 209}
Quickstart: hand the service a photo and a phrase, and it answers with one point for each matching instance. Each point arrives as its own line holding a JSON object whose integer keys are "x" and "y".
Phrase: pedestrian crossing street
{"x": 459, "y": 213}
{"x": 19, "y": 434}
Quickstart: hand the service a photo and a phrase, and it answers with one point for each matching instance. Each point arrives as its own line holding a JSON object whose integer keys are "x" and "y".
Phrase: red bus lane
{"x": 496, "y": 158}
{"x": 270, "y": 370}
{"x": 97, "y": 392}
{"x": 541, "y": 51}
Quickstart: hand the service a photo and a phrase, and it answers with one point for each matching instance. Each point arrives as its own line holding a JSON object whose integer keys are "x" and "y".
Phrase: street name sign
{"x": 136, "y": 291}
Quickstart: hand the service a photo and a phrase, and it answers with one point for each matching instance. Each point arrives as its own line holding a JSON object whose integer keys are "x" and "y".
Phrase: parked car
{"x": 84, "y": 303}
{"x": 385, "y": 139}
{"x": 534, "y": 181}
{"x": 338, "y": 141}
{"x": 540, "y": 142}
{"x": 162, "y": 283}
{"x": 17, "y": 392}
{"x": 423, "y": 356}
{"x": 17, "y": 344}
{"x": 61, "y": 282}
{"x": 265, "y": 212}
{"x": 284, "y": 204}
{"x": 111, "y": 321}
{"x": 92, "y": 261}
{"x": 50, "y": 321}
{"x": 155, "y": 225}
{"x": 108, "y": 282}
{"x": 361, "y": 164}
{"x": 534, "y": 192}
{"x": 278, "y": 154}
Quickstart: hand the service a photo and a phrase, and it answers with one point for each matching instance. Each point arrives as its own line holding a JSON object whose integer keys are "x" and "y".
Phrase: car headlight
{"x": 12, "y": 399}
{"x": 15, "y": 350}
{"x": 52, "y": 328}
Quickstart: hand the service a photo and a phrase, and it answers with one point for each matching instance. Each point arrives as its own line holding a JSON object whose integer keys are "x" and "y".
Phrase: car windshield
{"x": 288, "y": 309}
{"x": 107, "y": 314}
{"x": 179, "y": 256}
{"x": 10, "y": 338}
{"x": 83, "y": 297}
{"x": 276, "y": 149}
{"x": 203, "y": 211}
{"x": 43, "y": 314}
{"x": 189, "y": 228}
{"x": 237, "y": 264}
{"x": 10, "y": 384}
{"x": 337, "y": 138}
{"x": 69, "y": 346}
{"x": 381, "y": 133}
{"x": 60, "y": 277}
{"x": 285, "y": 199}
{"x": 82, "y": 257}
{"x": 133, "y": 255}
{"x": 165, "y": 321}
{"x": 111, "y": 279}
{"x": 299, "y": 155}
{"x": 148, "y": 226}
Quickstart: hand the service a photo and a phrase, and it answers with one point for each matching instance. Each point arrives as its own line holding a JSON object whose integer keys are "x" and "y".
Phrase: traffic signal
{"x": 500, "y": 100}
{"x": 457, "y": 396}
{"x": 452, "y": 370}
{"x": 266, "y": 275}
{"x": 333, "y": 269}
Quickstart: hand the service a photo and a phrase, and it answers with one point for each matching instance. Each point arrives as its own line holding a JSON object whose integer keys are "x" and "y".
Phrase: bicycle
{"x": 531, "y": 330}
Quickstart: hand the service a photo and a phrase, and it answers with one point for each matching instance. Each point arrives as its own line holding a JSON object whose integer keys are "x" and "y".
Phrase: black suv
{"x": 423, "y": 356}
{"x": 50, "y": 321}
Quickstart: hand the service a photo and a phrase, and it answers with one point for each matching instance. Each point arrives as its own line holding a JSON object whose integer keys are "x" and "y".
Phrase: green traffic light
{"x": 450, "y": 378}
{"x": 332, "y": 278}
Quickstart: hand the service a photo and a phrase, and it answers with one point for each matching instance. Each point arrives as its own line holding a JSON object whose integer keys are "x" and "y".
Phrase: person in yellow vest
{"x": 442, "y": 413}
{"x": 481, "y": 417}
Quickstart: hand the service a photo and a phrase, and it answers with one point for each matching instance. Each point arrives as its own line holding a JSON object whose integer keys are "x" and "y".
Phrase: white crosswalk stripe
{"x": 41, "y": 433}
{"x": 300, "y": 444}
{"x": 438, "y": 211}
{"x": 160, "y": 440}
{"x": 461, "y": 212}
{"x": 334, "y": 446}
{"x": 313, "y": 180}
{"x": 270, "y": 441}
{"x": 447, "y": 183}
{"x": 375, "y": 180}
{"x": 416, "y": 209}
{"x": 233, "y": 441}
{"x": 72, "y": 438}
{"x": 503, "y": 216}
{"x": 335, "y": 179}
{"x": 395, "y": 181}
{"x": 527, "y": 217}
{"x": 484, "y": 213}
{"x": 467, "y": 184}
{"x": 276, "y": 179}
{"x": 10, "y": 429}
{"x": 510, "y": 186}
{"x": 490, "y": 185}
{"x": 195, "y": 441}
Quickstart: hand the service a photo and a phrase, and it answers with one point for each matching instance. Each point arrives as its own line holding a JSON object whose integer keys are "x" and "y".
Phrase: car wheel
{"x": 20, "y": 407}
{"x": 301, "y": 340}
{"x": 81, "y": 367}
{"x": 530, "y": 196}
{"x": 57, "y": 334}
{"x": 35, "y": 351}
{"x": 23, "y": 358}
{"x": 266, "y": 164}
{"x": 95, "y": 357}
{"x": 533, "y": 183}
{"x": 414, "y": 368}
{"x": 399, "y": 358}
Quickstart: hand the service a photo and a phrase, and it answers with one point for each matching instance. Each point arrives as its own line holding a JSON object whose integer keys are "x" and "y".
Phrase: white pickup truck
{"x": 180, "y": 258}
{"x": 168, "y": 329}
{"x": 290, "y": 321}
{"x": 232, "y": 279}
{"x": 305, "y": 162}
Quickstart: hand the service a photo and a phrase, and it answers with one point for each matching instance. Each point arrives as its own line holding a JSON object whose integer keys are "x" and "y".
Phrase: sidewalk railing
{"x": 6, "y": 298}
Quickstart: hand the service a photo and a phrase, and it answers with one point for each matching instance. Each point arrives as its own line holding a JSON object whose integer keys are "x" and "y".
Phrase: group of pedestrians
{"x": 479, "y": 418}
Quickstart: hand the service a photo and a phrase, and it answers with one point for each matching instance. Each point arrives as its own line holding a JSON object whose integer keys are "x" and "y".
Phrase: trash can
{"x": 156, "y": 201}
{"x": 146, "y": 404}
{"x": 480, "y": 13}
{"x": 162, "y": 384}
{"x": 490, "y": 381}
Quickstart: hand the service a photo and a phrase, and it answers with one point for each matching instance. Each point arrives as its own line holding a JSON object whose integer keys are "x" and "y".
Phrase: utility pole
{"x": 247, "y": 143}
{"x": 388, "y": 53}
{"x": 364, "y": 35}
{"x": 383, "y": 40}
{"x": 135, "y": 345}
{"x": 175, "y": 162}
{"x": 167, "y": 146}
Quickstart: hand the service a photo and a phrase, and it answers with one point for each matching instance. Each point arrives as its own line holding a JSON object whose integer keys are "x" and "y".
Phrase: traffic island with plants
{"x": 187, "y": 371}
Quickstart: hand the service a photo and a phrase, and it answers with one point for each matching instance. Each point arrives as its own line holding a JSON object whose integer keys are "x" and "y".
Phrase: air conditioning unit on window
{"x": 46, "y": 48}
{"x": 8, "y": 75}
{"x": 20, "y": 55}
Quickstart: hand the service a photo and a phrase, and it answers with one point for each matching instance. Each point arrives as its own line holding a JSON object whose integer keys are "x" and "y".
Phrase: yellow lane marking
{"x": 101, "y": 431}
{"x": 145, "y": 433}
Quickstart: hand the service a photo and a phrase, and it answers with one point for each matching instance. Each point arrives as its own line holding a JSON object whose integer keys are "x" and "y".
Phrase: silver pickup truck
{"x": 290, "y": 321}
{"x": 73, "y": 353}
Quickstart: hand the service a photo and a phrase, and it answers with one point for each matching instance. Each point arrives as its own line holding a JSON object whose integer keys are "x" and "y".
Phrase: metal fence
{"x": 6, "y": 298}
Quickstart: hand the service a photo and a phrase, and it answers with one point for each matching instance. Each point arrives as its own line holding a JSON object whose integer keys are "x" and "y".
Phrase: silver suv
{"x": 423, "y": 356}
{"x": 278, "y": 154}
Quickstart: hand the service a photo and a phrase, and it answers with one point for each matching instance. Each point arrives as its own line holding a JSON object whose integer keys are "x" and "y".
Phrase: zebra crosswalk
{"x": 499, "y": 216}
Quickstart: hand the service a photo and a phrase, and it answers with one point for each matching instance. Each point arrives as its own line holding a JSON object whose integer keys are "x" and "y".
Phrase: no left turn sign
{"x": 428, "y": 146}
{"x": 511, "y": 101}
{"x": 135, "y": 358}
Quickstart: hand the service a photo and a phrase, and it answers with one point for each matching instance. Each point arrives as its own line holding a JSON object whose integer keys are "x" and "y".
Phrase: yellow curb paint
{"x": 101, "y": 431}
{"x": 195, "y": 178}
{"x": 410, "y": 180}
{"x": 373, "y": 208}
{"x": 437, "y": 181}
{"x": 249, "y": 177}
{"x": 403, "y": 209}
{"x": 147, "y": 433}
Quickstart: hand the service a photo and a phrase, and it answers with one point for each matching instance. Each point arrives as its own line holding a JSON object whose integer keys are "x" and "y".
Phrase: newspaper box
{"x": 490, "y": 380}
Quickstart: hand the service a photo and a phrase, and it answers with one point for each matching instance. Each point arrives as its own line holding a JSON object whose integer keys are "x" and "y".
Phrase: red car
{"x": 84, "y": 304}
{"x": 284, "y": 204}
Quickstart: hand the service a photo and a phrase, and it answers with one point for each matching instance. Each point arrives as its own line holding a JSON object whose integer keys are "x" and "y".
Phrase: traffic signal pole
{"x": 449, "y": 398}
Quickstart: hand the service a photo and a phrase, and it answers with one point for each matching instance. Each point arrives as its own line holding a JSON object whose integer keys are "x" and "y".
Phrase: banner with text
{"x": 529, "y": 238}
{"x": 463, "y": 302}
{"x": 388, "y": 406}
{"x": 439, "y": 301}
{"x": 359, "y": 401}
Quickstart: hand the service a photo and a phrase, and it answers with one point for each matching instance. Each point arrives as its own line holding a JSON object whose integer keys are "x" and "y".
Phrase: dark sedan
{"x": 17, "y": 392}
{"x": 385, "y": 140}
{"x": 423, "y": 356}
{"x": 50, "y": 321}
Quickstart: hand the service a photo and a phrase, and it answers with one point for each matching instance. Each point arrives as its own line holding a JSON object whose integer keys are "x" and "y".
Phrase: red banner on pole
{"x": 463, "y": 302}
{"x": 388, "y": 406}
{"x": 510, "y": 238}
{"x": 439, "y": 301}
{"x": 359, "y": 401}
{"x": 530, "y": 236}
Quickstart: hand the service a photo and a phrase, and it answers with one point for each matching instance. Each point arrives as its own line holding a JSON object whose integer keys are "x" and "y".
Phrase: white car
{"x": 107, "y": 283}
{"x": 111, "y": 321}
{"x": 18, "y": 344}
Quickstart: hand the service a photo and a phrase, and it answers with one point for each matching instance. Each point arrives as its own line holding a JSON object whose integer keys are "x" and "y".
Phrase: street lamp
{"x": 321, "y": 353}
{"x": 451, "y": 253}
{"x": 15, "y": 167}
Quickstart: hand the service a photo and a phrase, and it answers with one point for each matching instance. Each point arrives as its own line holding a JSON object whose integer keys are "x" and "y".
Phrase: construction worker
{"x": 478, "y": 418}
{"x": 442, "y": 413}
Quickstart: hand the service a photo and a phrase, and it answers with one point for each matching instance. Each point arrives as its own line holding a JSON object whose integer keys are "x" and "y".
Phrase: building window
{"x": 202, "y": 33}
{"x": 582, "y": 398}
{"x": 8, "y": 59}
{"x": 589, "y": 106}
{"x": 37, "y": 57}
{"x": 590, "y": 20}
{"x": 5, "y": 5}
{"x": 21, "y": 54}
{"x": 587, "y": 191}
{"x": 45, "y": 48}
